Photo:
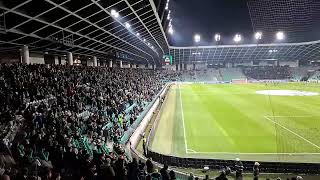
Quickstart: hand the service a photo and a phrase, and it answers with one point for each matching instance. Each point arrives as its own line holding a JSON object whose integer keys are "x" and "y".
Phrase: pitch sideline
{"x": 182, "y": 118}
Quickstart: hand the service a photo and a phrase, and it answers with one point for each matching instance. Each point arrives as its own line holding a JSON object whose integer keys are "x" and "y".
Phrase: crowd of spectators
{"x": 66, "y": 122}
{"x": 73, "y": 120}
{"x": 267, "y": 72}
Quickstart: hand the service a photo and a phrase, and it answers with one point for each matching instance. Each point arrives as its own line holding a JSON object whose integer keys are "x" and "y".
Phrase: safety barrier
{"x": 142, "y": 121}
{"x": 266, "y": 167}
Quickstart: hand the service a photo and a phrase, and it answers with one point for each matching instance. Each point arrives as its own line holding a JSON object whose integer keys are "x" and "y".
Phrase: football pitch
{"x": 263, "y": 122}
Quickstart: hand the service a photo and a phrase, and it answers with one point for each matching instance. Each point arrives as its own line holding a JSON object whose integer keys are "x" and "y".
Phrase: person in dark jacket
{"x": 133, "y": 169}
{"x": 141, "y": 172}
{"x": 149, "y": 166}
{"x": 172, "y": 175}
{"x": 156, "y": 175}
{"x": 256, "y": 169}
{"x": 164, "y": 172}
{"x": 107, "y": 171}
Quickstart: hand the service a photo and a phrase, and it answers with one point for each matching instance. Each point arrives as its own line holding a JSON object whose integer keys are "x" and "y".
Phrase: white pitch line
{"x": 289, "y": 116}
{"x": 182, "y": 117}
{"x": 191, "y": 150}
{"x": 293, "y": 132}
{"x": 235, "y": 153}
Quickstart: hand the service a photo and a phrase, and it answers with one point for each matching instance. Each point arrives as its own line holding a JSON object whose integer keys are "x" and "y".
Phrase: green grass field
{"x": 231, "y": 120}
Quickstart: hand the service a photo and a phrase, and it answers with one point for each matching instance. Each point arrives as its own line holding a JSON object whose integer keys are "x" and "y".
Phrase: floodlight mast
{"x": 197, "y": 39}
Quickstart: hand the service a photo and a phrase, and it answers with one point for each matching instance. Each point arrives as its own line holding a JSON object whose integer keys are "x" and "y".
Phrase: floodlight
{"x": 217, "y": 37}
{"x": 127, "y": 25}
{"x": 114, "y": 13}
{"x": 258, "y": 36}
{"x": 197, "y": 38}
{"x": 170, "y": 30}
{"x": 280, "y": 35}
{"x": 237, "y": 38}
{"x": 273, "y": 50}
{"x": 138, "y": 34}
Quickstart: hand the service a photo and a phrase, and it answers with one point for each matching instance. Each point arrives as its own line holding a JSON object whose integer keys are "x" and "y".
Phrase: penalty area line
{"x": 292, "y": 132}
{"x": 182, "y": 118}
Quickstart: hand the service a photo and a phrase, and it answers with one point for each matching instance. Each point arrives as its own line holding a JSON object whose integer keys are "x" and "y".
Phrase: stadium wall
{"x": 36, "y": 58}
{"x": 244, "y": 64}
{"x": 56, "y": 60}
{"x": 289, "y": 63}
{"x": 15, "y": 57}
{"x": 10, "y": 57}
{"x": 89, "y": 62}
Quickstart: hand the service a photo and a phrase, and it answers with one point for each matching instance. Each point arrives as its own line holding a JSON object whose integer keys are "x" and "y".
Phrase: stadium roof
{"x": 245, "y": 53}
{"x": 298, "y": 19}
{"x": 85, "y": 27}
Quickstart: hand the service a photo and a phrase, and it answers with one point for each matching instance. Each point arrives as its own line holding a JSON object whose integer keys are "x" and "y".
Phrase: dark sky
{"x": 206, "y": 17}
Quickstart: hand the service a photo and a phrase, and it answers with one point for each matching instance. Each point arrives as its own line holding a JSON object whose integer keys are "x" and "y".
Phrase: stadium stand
{"x": 267, "y": 72}
{"x": 207, "y": 75}
{"x": 228, "y": 74}
{"x": 299, "y": 72}
{"x": 315, "y": 76}
{"x": 71, "y": 115}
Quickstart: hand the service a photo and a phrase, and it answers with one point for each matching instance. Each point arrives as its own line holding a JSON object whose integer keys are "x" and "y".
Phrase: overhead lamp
{"x": 114, "y": 13}
{"x": 237, "y": 38}
{"x": 217, "y": 37}
{"x": 170, "y": 30}
{"x": 197, "y": 38}
{"x": 127, "y": 25}
{"x": 280, "y": 35}
{"x": 258, "y": 35}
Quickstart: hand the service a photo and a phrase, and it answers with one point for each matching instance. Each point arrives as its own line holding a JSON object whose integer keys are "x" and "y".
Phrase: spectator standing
{"x": 164, "y": 172}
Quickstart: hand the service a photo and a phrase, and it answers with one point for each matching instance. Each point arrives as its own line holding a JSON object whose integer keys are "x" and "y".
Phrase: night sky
{"x": 207, "y": 17}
